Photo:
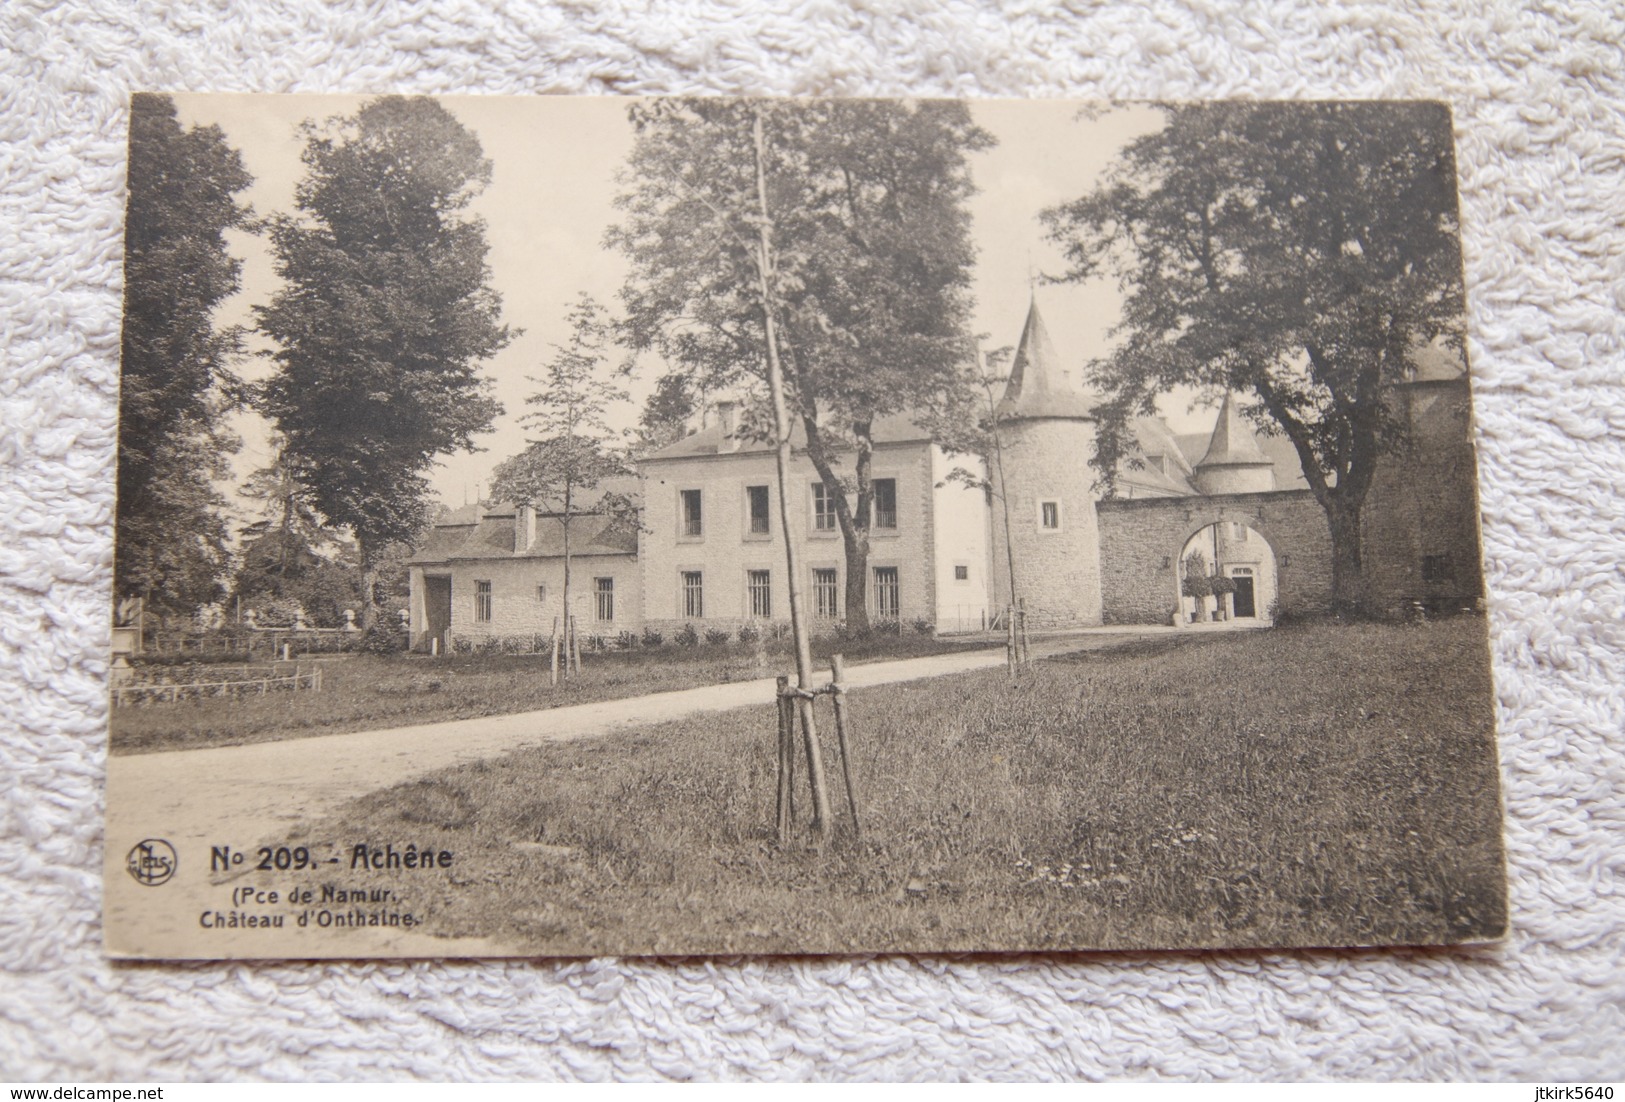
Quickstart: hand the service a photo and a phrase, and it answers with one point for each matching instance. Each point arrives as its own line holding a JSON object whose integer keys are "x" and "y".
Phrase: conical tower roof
{"x": 1038, "y": 387}
{"x": 1232, "y": 443}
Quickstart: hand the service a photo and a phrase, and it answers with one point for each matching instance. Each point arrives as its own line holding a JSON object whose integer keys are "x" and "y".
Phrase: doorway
{"x": 436, "y": 610}
{"x": 1245, "y": 597}
{"x": 1226, "y": 570}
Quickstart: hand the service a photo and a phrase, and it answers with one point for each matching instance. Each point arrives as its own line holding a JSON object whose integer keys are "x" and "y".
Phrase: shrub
{"x": 314, "y": 642}
{"x": 779, "y": 630}
{"x": 717, "y": 636}
{"x": 922, "y": 626}
{"x": 652, "y": 638}
{"x": 626, "y": 640}
{"x": 597, "y": 644}
{"x": 1196, "y": 582}
{"x": 462, "y": 645}
{"x": 277, "y": 612}
{"x": 887, "y": 626}
{"x": 381, "y": 640}
{"x": 686, "y": 636}
{"x": 750, "y": 634}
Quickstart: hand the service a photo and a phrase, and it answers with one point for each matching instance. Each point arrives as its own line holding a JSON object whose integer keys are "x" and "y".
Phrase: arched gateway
{"x": 1145, "y": 541}
{"x": 1237, "y": 571}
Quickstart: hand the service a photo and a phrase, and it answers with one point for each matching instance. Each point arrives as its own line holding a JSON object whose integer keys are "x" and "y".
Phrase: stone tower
{"x": 1234, "y": 464}
{"x": 1047, "y": 437}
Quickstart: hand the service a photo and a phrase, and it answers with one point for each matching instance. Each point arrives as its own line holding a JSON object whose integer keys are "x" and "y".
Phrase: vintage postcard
{"x": 701, "y": 526}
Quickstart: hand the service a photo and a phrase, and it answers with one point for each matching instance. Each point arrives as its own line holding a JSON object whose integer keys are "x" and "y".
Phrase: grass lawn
{"x": 364, "y": 693}
{"x": 1315, "y": 785}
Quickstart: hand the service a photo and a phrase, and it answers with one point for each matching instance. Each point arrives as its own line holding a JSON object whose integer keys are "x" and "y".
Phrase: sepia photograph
{"x": 568, "y": 526}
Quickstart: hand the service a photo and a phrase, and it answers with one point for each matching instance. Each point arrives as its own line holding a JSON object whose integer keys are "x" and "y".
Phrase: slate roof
{"x": 1039, "y": 387}
{"x": 1277, "y": 449}
{"x": 441, "y": 541}
{"x": 493, "y": 538}
{"x": 893, "y": 429}
{"x": 1232, "y": 443}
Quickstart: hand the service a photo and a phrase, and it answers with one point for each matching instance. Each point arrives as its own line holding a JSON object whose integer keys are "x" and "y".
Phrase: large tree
{"x": 573, "y": 450}
{"x": 172, "y": 529}
{"x": 384, "y": 319}
{"x": 866, "y": 277}
{"x": 667, "y": 410}
{"x": 290, "y": 553}
{"x": 1299, "y": 254}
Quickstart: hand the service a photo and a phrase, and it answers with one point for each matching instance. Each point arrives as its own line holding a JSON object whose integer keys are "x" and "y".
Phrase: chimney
{"x": 728, "y": 420}
{"x": 524, "y": 528}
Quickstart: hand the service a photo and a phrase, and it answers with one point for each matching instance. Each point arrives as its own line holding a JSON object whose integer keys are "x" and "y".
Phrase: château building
{"x": 710, "y": 549}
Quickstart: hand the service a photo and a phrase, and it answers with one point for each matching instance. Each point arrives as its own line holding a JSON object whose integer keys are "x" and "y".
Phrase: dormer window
{"x": 1049, "y": 516}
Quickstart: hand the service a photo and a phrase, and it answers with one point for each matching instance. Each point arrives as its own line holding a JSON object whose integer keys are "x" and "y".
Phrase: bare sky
{"x": 555, "y": 161}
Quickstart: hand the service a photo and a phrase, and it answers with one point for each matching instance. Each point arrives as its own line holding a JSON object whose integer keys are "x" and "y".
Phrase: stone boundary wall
{"x": 1141, "y": 538}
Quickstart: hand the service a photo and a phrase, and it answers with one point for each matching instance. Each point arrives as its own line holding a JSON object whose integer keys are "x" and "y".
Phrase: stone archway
{"x": 1142, "y": 541}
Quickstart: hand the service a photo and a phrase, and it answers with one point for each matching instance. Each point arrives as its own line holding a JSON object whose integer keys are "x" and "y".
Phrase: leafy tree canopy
{"x": 183, "y": 183}
{"x": 572, "y": 448}
{"x": 385, "y": 315}
{"x": 868, "y": 271}
{"x": 666, "y": 413}
{"x": 1299, "y": 254}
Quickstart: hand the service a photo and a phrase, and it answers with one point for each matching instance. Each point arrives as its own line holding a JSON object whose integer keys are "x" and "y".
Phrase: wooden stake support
{"x": 837, "y": 692}
{"x": 1021, "y": 610}
{"x": 822, "y": 819}
{"x": 553, "y": 663}
{"x": 791, "y": 701}
{"x": 784, "y": 810}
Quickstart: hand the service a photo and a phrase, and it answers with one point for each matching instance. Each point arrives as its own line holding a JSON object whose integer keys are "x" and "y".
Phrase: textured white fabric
{"x": 1540, "y": 122}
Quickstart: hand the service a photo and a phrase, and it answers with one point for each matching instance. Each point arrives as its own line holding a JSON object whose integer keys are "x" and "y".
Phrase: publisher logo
{"x": 151, "y": 862}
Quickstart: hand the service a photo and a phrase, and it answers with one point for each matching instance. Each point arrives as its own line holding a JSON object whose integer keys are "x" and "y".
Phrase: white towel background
{"x": 1540, "y": 123}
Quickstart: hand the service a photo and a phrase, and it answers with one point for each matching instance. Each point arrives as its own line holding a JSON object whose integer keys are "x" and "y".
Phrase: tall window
{"x": 885, "y": 502}
{"x": 823, "y": 508}
{"x": 1049, "y": 513}
{"x": 693, "y": 594}
{"x": 482, "y": 602}
{"x": 887, "y": 604}
{"x": 826, "y": 593}
{"x": 759, "y": 585}
{"x": 693, "y": 522}
{"x": 756, "y": 501}
{"x": 604, "y": 592}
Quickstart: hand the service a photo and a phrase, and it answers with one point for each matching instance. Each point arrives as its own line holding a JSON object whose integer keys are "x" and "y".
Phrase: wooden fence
{"x": 225, "y": 681}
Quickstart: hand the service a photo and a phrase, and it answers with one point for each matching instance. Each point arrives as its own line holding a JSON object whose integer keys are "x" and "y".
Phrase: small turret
{"x": 1039, "y": 387}
{"x": 1234, "y": 463}
{"x": 1047, "y": 435}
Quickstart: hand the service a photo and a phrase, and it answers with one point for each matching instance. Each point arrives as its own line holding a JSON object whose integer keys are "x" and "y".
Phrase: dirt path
{"x": 241, "y": 796}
